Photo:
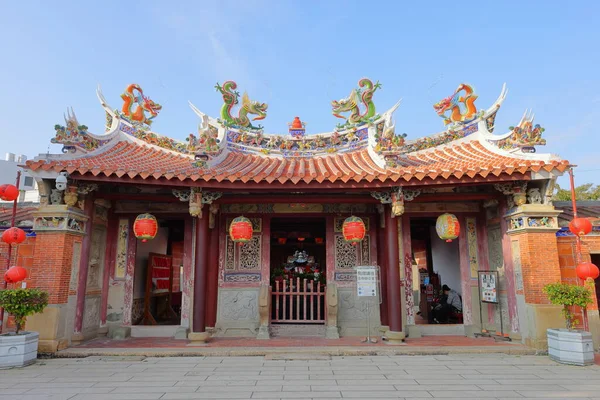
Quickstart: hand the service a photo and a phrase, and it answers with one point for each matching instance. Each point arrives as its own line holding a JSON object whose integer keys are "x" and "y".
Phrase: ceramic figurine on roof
{"x": 144, "y": 105}
{"x": 231, "y": 99}
{"x": 364, "y": 93}
{"x": 453, "y": 102}
{"x": 523, "y": 135}
{"x": 297, "y": 128}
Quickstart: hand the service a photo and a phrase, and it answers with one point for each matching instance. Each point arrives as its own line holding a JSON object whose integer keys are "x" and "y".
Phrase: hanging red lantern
{"x": 9, "y": 192}
{"x": 580, "y": 226}
{"x": 354, "y": 230}
{"x": 15, "y": 274}
{"x": 145, "y": 227}
{"x": 14, "y": 236}
{"x": 241, "y": 230}
{"x": 447, "y": 227}
{"x": 587, "y": 270}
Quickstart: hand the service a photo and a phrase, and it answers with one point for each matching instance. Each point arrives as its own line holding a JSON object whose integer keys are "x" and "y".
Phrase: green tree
{"x": 21, "y": 303}
{"x": 582, "y": 192}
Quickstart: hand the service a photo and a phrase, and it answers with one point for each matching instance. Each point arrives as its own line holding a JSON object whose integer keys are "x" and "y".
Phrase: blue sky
{"x": 298, "y": 56}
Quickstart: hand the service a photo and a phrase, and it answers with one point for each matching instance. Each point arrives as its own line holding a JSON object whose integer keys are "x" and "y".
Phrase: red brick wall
{"x": 539, "y": 263}
{"x": 568, "y": 262}
{"x": 51, "y": 269}
{"x": 22, "y": 255}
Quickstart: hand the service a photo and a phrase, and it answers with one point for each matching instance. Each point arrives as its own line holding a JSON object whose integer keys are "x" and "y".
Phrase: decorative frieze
{"x": 59, "y": 218}
{"x": 297, "y": 208}
{"x": 242, "y": 277}
{"x": 533, "y": 218}
{"x": 396, "y": 197}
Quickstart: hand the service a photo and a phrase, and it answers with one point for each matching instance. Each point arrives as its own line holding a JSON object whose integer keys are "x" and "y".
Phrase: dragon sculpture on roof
{"x": 144, "y": 105}
{"x": 231, "y": 98}
{"x": 364, "y": 93}
{"x": 453, "y": 102}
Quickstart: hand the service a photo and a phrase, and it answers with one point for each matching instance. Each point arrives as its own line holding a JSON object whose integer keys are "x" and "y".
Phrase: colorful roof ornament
{"x": 231, "y": 99}
{"x": 523, "y": 136}
{"x": 297, "y": 128}
{"x": 351, "y": 104}
{"x": 135, "y": 95}
{"x": 452, "y": 103}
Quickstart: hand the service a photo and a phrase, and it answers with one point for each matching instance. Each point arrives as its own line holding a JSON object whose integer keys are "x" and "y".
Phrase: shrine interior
{"x": 158, "y": 276}
{"x": 435, "y": 263}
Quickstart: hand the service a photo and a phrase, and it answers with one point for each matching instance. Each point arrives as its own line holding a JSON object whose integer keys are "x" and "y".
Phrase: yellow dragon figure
{"x": 452, "y": 104}
{"x": 144, "y": 105}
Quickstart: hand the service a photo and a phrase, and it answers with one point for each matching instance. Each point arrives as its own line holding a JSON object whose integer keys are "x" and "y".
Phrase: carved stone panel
{"x": 121, "y": 257}
{"x": 238, "y": 305}
{"x": 75, "y": 266}
{"x": 96, "y": 262}
{"x": 91, "y": 316}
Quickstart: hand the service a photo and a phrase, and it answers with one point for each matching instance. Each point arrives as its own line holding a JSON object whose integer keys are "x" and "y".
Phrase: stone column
{"x": 60, "y": 230}
{"x": 532, "y": 246}
{"x": 86, "y": 246}
{"x": 395, "y": 334}
{"x": 199, "y": 333}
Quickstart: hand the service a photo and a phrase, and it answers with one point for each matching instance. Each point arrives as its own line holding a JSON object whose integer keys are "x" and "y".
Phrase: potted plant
{"x": 20, "y": 348}
{"x": 570, "y": 346}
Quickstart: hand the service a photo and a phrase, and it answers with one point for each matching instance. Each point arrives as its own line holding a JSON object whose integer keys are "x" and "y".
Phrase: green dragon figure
{"x": 351, "y": 103}
{"x": 231, "y": 98}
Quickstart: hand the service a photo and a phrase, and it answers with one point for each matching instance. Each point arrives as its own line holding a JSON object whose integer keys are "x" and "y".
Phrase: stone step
{"x": 297, "y": 330}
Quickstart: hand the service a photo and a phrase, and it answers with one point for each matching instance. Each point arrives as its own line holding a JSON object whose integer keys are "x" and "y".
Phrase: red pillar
{"x": 381, "y": 260}
{"x": 393, "y": 268}
{"x": 212, "y": 278}
{"x": 200, "y": 272}
{"x": 86, "y": 246}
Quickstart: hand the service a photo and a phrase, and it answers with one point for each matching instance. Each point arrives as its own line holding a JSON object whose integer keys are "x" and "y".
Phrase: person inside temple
{"x": 450, "y": 302}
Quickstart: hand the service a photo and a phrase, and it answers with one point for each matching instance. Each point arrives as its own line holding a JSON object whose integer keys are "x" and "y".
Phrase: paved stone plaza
{"x": 300, "y": 377}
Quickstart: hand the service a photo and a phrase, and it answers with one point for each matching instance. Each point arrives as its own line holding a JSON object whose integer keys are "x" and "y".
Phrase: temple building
{"x": 235, "y": 232}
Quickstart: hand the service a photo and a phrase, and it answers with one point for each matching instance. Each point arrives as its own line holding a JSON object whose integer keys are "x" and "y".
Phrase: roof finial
{"x": 297, "y": 128}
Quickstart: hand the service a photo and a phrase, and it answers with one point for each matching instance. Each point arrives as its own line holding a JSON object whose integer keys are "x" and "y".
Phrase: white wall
{"x": 156, "y": 245}
{"x": 446, "y": 261}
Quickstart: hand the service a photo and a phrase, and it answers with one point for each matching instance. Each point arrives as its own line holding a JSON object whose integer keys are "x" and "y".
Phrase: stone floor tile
{"x": 475, "y": 394}
{"x": 296, "y": 395}
{"x": 389, "y": 395}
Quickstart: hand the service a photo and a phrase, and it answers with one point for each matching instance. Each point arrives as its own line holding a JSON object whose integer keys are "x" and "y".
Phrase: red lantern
{"x": 145, "y": 227}
{"x": 9, "y": 192}
{"x": 13, "y": 236}
{"x": 580, "y": 226}
{"x": 354, "y": 230}
{"x": 447, "y": 227}
{"x": 587, "y": 270}
{"x": 15, "y": 274}
{"x": 240, "y": 230}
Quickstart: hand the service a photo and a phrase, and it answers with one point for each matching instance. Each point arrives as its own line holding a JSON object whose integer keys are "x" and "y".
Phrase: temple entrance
{"x": 436, "y": 277}
{"x": 158, "y": 278}
{"x": 298, "y": 270}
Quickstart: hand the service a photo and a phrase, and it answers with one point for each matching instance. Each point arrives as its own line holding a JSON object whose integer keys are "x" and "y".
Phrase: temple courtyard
{"x": 301, "y": 376}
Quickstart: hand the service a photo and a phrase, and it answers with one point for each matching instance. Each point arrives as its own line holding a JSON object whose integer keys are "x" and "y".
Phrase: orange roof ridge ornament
{"x": 523, "y": 137}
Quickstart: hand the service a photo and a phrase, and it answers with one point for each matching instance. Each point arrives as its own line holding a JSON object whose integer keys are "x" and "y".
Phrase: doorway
{"x": 298, "y": 270}
{"x": 158, "y": 276}
{"x": 436, "y": 275}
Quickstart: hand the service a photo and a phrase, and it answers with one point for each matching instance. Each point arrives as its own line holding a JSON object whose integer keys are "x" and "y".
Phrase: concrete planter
{"x": 570, "y": 347}
{"x": 18, "y": 350}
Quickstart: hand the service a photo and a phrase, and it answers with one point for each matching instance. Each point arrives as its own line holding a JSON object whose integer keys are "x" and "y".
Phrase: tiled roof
{"x": 24, "y": 215}
{"x": 460, "y": 159}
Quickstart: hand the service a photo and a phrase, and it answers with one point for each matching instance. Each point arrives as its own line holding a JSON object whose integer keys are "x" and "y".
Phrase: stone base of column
{"x": 263, "y": 333}
{"x": 181, "y": 333}
{"x": 395, "y": 338}
{"x": 199, "y": 337}
{"x": 103, "y": 331}
{"x": 332, "y": 332}
{"x": 77, "y": 338}
{"x": 413, "y": 331}
{"x": 119, "y": 332}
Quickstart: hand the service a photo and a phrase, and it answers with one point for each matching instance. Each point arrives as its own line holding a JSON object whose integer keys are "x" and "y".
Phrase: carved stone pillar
{"x": 332, "y": 331}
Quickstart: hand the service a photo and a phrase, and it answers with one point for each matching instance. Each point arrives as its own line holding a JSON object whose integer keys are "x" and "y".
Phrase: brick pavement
{"x": 457, "y": 376}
